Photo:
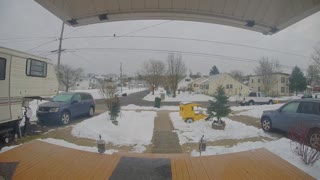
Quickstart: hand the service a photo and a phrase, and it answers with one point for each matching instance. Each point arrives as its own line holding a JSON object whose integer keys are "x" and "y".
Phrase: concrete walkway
{"x": 164, "y": 140}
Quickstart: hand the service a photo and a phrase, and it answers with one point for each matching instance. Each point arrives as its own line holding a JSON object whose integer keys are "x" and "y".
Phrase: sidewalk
{"x": 164, "y": 140}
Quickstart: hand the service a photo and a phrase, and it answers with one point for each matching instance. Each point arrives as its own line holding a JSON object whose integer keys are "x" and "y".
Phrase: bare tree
{"x": 176, "y": 71}
{"x": 316, "y": 56}
{"x": 152, "y": 72}
{"x": 109, "y": 91}
{"x": 313, "y": 75}
{"x": 238, "y": 75}
{"x": 266, "y": 69}
{"x": 69, "y": 76}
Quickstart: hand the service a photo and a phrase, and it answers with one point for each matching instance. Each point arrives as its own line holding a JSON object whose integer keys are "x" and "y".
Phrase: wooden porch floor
{"x": 40, "y": 160}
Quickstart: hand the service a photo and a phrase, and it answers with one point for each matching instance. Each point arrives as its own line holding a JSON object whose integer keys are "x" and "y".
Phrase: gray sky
{"x": 26, "y": 25}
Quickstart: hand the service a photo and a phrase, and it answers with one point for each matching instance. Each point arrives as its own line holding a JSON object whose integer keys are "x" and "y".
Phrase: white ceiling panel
{"x": 265, "y": 16}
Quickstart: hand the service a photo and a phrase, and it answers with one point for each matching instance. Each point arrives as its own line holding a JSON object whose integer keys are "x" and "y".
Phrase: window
{"x": 283, "y": 80}
{"x": 282, "y": 89}
{"x": 251, "y": 80}
{"x": 36, "y": 68}
{"x": 287, "y": 89}
{"x": 259, "y": 89}
{"x": 258, "y": 80}
{"x": 291, "y": 107}
{"x": 77, "y": 84}
{"x": 231, "y": 86}
{"x": 309, "y": 108}
{"x": 3, "y": 63}
{"x": 76, "y": 97}
{"x": 253, "y": 94}
{"x": 227, "y": 86}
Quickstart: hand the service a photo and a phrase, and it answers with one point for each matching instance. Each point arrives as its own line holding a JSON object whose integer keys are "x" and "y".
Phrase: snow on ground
{"x": 63, "y": 143}
{"x": 7, "y": 148}
{"x": 33, "y": 105}
{"x": 135, "y": 128}
{"x": 135, "y": 107}
{"x": 97, "y": 94}
{"x": 255, "y": 111}
{"x": 192, "y": 132}
{"x": 279, "y": 147}
{"x": 183, "y": 96}
{"x": 287, "y": 98}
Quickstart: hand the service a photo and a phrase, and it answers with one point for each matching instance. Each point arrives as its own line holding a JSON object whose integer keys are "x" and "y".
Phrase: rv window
{"x": 36, "y": 68}
{"x": 3, "y": 68}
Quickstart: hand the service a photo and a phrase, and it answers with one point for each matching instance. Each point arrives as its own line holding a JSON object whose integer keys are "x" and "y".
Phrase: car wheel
{"x": 314, "y": 138}
{"x": 266, "y": 124}
{"x": 251, "y": 103}
{"x": 189, "y": 120}
{"x": 270, "y": 102}
{"x": 91, "y": 112}
{"x": 65, "y": 118}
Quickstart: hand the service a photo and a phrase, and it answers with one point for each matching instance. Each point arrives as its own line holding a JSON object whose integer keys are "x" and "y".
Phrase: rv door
{"x": 4, "y": 88}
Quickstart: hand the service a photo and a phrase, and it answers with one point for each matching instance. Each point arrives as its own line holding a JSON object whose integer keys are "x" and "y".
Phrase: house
{"x": 279, "y": 85}
{"x": 195, "y": 85}
{"x": 184, "y": 83}
{"x": 86, "y": 83}
{"x": 231, "y": 85}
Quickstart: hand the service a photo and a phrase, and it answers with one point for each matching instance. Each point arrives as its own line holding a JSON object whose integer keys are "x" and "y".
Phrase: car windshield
{"x": 62, "y": 98}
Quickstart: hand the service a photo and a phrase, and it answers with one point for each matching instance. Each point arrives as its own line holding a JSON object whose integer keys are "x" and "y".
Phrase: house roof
{"x": 273, "y": 73}
{"x": 265, "y": 16}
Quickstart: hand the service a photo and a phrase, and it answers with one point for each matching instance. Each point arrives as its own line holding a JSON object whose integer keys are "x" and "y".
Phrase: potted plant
{"x": 219, "y": 108}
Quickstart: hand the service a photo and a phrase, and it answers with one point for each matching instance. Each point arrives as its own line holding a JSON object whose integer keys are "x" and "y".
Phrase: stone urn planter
{"x": 218, "y": 126}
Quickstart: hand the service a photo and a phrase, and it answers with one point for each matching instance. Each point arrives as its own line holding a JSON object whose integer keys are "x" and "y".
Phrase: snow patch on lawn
{"x": 134, "y": 128}
{"x": 279, "y": 147}
{"x": 7, "y": 148}
{"x": 64, "y": 143}
{"x": 192, "y": 132}
{"x": 183, "y": 96}
{"x": 33, "y": 105}
{"x": 135, "y": 107}
{"x": 255, "y": 111}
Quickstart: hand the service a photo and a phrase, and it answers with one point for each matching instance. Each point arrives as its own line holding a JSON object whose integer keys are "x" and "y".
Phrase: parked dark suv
{"x": 65, "y": 106}
{"x": 301, "y": 115}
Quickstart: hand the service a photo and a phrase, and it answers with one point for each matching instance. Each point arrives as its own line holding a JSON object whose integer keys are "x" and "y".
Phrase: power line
{"x": 231, "y": 58}
{"x": 135, "y": 31}
{"x": 23, "y": 38}
{"x": 197, "y": 40}
{"x": 41, "y": 45}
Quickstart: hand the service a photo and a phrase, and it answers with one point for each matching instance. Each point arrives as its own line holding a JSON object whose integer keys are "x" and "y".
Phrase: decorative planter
{"x": 101, "y": 144}
{"x": 115, "y": 122}
{"x": 218, "y": 126}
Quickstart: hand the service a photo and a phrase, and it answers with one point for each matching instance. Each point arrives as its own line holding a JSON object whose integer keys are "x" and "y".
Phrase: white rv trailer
{"x": 23, "y": 77}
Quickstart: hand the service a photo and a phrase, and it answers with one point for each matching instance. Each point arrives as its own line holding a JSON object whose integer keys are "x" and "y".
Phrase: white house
{"x": 185, "y": 83}
{"x": 86, "y": 83}
{"x": 231, "y": 85}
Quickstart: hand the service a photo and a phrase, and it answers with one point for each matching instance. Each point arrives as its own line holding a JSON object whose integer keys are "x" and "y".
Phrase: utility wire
{"x": 231, "y": 58}
{"x": 135, "y": 31}
{"x": 25, "y": 38}
{"x": 197, "y": 40}
{"x": 41, "y": 45}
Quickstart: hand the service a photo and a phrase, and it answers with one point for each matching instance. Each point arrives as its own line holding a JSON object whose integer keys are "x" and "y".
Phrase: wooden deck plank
{"x": 198, "y": 169}
{"x": 181, "y": 168}
{"x": 40, "y": 160}
{"x": 173, "y": 170}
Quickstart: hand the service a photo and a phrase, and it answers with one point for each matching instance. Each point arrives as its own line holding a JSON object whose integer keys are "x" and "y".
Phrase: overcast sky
{"x": 25, "y": 25}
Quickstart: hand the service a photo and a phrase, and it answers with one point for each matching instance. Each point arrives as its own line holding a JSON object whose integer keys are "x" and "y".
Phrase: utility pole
{"x": 59, "y": 53}
{"x": 121, "y": 76}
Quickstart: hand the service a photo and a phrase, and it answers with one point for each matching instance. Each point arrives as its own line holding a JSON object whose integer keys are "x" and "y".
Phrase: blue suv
{"x": 66, "y": 106}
